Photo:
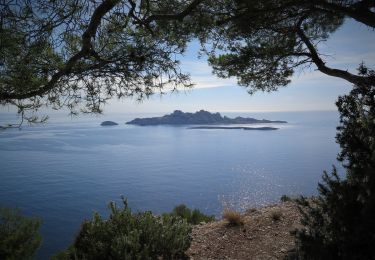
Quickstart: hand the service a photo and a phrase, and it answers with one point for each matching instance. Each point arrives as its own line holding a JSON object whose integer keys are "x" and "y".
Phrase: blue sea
{"x": 67, "y": 169}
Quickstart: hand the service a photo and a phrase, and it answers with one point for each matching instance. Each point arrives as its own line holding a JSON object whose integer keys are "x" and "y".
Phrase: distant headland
{"x": 201, "y": 117}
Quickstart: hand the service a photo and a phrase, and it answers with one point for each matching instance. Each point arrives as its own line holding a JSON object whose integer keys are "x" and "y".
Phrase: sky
{"x": 310, "y": 90}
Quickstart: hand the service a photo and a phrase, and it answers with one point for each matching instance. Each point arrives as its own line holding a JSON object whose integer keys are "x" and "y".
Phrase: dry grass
{"x": 276, "y": 215}
{"x": 234, "y": 218}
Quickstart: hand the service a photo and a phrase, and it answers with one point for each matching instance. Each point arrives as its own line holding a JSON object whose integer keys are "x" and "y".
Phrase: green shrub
{"x": 127, "y": 235}
{"x": 19, "y": 235}
{"x": 285, "y": 198}
{"x": 193, "y": 217}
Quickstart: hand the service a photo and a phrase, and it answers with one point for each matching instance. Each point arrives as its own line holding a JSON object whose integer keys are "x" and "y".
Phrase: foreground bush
{"x": 193, "y": 217}
{"x": 19, "y": 235}
{"x": 127, "y": 235}
{"x": 340, "y": 222}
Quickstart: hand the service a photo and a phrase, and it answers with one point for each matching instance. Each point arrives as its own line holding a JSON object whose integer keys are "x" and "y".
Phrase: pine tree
{"x": 340, "y": 222}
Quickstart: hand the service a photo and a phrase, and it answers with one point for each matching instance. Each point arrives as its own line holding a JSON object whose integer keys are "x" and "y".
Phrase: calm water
{"x": 67, "y": 169}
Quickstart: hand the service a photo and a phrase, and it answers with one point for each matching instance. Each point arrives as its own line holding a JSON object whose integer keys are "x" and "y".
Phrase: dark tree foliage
{"x": 340, "y": 223}
{"x": 19, "y": 235}
{"x": 193, "y": 217}
{"x": 79, "y": 53}
{"x": 262, "y": 43}
{"x": 127, "y": 235}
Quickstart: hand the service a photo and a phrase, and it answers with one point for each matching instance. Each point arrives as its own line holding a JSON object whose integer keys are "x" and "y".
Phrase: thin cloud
{"x": 202, "y": 77}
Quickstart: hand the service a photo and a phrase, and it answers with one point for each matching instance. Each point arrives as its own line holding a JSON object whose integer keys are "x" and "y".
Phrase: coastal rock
{"x": 201, "y": 117}
{"x": 108, "y": 123}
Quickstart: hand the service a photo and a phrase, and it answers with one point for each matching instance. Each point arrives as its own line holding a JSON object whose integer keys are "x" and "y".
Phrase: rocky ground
{"x": 262, "y": 236}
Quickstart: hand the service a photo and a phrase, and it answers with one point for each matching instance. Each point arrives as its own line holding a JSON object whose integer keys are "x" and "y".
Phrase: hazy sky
{"x": 309, "y": 90}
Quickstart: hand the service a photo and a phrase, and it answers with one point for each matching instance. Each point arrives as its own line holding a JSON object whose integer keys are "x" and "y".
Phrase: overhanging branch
{"x": 355, "y": 79}
{"x": 87, "y": 49}
{"x": 94, "y": 23}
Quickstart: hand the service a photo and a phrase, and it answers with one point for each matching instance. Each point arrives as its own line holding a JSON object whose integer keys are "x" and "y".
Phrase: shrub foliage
{"x": 340, "y": 222}
{"x": 127, "y": 235}
{"x": 19, "y": 235}
{"x": 285, "y": 198}
{"x": 192, "y": 216}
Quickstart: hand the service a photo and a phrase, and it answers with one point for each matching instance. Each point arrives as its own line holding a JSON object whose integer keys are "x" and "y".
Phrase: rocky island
{"x": 201, "y": 117}
{"x": 108, "y": 123}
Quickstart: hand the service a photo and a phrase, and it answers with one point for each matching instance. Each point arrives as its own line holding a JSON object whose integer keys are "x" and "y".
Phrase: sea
{"x": 67, "y": 169}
